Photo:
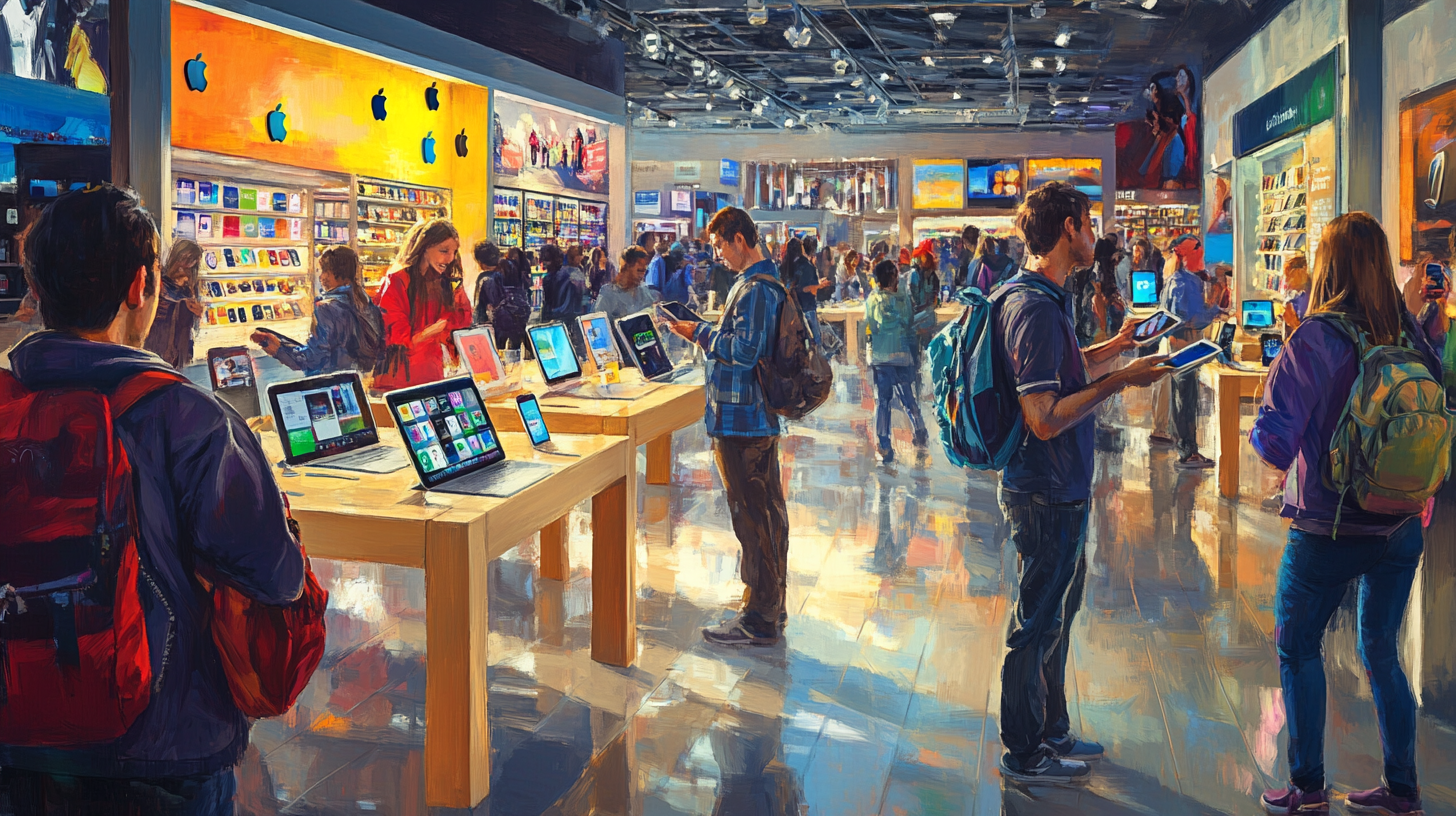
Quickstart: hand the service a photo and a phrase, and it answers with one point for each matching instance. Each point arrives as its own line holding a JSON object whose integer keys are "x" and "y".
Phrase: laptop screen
{"x": 554, "y": 352}
{"x": 642, "y": 340}
{"x": 321, "y": 416}
{"x": 448, "y": 432}
{"x": 1258, "y": 314}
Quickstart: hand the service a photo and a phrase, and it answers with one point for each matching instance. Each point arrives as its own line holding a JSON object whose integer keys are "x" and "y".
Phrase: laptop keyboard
{"x": 501, "y": 481}
{"x": 378, "y": 459}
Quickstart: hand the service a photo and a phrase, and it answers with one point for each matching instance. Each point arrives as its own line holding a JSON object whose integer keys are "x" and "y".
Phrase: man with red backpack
{"x": 126, "y": 631}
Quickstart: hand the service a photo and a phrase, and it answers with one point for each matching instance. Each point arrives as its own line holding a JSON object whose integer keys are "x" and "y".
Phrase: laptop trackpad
{"x": 394, "y": 460}
{"x": 502, "y": 482}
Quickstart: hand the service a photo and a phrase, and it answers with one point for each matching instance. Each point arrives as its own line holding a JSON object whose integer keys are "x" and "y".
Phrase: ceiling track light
{"x": 1064, "y": 36}
{"x": 928, "y": 60}
{"x": 988, "y": 59}
{"x": 1038, "y": 63}
{"x": 1149, "y": 4}
{"x": 884, "y": 77}
{"x": 955, "y": 95}
{"x": 1061, "y": 64}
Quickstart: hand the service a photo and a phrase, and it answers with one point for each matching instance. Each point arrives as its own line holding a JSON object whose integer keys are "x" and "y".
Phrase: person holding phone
{"x": 1296, "y": 288}
{"x": 346, "y": 325}
{"x": 1304, "y": 399}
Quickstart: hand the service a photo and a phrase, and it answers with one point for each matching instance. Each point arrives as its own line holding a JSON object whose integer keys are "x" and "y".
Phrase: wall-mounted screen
{"x": 993, "y": 182}
{"x": 1084, "y": 174}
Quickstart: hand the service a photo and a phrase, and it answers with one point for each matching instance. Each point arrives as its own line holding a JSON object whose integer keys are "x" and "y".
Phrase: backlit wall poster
{"x": 939, "y": 185}
{"x": 548, "y": 149}
{"x": 1160, "y": 150}
{"x": 1427, "y": 174}
{"x": 1084, "y": 174}
{"x": 63, "y": 42}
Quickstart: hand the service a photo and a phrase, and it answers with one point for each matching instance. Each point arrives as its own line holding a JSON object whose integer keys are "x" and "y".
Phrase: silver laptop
{"x": 325, "y": 422}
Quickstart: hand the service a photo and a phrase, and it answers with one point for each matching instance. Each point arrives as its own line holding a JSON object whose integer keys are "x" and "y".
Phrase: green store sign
{"x": 1305, "y": 100}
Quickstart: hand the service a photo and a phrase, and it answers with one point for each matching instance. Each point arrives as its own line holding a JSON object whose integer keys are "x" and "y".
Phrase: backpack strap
{"x": 134, "y": 388}
{"x": 760, "y": 278}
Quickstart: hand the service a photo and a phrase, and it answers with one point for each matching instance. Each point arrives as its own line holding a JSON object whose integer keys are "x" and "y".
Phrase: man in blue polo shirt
{"x": 1046, "y": 486}
{"x": 745, "y": 434}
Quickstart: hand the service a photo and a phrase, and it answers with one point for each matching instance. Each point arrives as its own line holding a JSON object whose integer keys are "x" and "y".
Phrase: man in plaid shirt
{"x": 745, "y": 435}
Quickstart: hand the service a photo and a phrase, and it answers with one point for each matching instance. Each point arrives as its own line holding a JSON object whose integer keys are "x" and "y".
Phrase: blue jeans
{"x": 36, "y": 792}
{"x": 892, "y": 382}
{"x": 1050, "y": 539}
{"x": 811, "y": 319}
{"x": 1185, "y": 412}
{"x": 1312, "y": 580}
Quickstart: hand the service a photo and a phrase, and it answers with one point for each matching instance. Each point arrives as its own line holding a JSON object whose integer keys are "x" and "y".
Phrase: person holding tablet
{"x": 1187, "y": 299}
{"x": 346, "y": 325}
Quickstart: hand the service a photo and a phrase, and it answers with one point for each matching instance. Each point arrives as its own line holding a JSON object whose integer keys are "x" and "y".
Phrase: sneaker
{"x": 1069, "y": 747}
{"x": 1045, "y": 770}
{"x": 1293, "y": 800}
{"x": 1382, "y": 801}
{"x": 1160, "y": 440}
{"x": 1195, "y": 461}
{"x": 738, "y": 633}
{"x": 887, "y": 456}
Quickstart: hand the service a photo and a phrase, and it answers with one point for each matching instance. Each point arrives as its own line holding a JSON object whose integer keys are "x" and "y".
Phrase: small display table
{"x": 381, "y": 519}
{"x": 1231, "y": 385}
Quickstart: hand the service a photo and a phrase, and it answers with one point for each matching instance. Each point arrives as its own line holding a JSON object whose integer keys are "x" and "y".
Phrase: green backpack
{"x": 1392, "y": 446}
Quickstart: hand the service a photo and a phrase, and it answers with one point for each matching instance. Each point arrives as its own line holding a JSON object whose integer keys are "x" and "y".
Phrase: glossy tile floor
{"x": 883, "y": 698}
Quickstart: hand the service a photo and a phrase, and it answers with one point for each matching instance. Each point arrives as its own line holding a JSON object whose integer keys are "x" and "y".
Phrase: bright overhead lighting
{"x": 708, "y": 106}
{"x": 956, "y": 95}
{"x": 838, "y": 97}
{"x": 652, "y": 44}
{"x": 699, "y": 67}
{"x": 672, "y": 123}
{"x": 1148, "y": 4}
{"x": 943, "y": 17}
{"x": 1061, "y": 65}
{"x": 734, "y": 93}
{"x": 757, "y": 14}
{"x": 840, "y": 66}
{"x": 884, "y": 77}
{"x": 788, "y": 123}
{"x": 930, "y": 61}
{"x": 1086, "y": 99}
{"x": 1064, "y": 36}
{"x": 988, "y": 59}
{"x": 1038, "y": 62}
{"x": 856, "y": 82}
{"x": 1038, "y": 10}
{"x": 873, "y": 99}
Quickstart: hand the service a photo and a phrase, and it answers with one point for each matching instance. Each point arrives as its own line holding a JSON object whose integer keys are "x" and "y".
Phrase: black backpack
{"x": 367, "y": 348}
{"x": 511, "y": 315}
{"x": 797, "y": 378}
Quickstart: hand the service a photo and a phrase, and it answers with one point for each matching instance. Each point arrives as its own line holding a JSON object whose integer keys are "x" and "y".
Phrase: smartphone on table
{"x": 1154, "y": 328}
{"x": 535, "y": 424}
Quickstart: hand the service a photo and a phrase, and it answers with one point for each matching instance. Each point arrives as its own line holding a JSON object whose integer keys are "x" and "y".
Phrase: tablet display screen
{"x": 1144, "y": 289}
{"x": 646, "y": 346}
{"x": 554, "y": 352}
{"x": 477, "y": 349}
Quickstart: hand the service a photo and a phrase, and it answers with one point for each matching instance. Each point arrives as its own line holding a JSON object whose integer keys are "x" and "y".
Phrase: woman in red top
{"x": 422, "y": 305}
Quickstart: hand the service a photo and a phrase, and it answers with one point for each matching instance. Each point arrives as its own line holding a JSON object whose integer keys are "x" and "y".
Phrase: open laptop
{"x": 454, "y": 446}
{"x": 644, "y": 344}
{"x": 561, "y": 370}
{"x": 325, "y": 422}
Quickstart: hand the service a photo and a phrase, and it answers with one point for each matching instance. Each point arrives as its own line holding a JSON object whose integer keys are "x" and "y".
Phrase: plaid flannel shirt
{"x": 743, "y": 336}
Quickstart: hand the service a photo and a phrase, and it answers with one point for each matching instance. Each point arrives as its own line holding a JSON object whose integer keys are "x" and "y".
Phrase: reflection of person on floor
{"x": 1046, "y": 487}
{"x": 748, "y": 748}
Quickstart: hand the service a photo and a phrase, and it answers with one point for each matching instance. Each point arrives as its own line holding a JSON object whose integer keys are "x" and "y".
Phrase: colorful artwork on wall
{"x": 939, "y": 184}
{"x": 1160, "y": 150}
{"x": 1084, "y": 174}
{"x": 1427, "y": 174}
{"x": 547, "y": 149}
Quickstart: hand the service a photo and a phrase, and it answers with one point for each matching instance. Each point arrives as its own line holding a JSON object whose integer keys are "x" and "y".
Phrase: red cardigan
{"x": 427, "y": 360}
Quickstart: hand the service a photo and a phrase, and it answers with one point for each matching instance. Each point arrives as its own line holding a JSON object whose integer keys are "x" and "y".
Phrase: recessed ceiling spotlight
{"x": 708, "y": 106}
{"x": 788, "y": 123}
{"x": 956, "y": 95}
{"x": 873, "y": 99}
{"x": 929, "y": 61}
{"x": 652, "y": 44}
{"x": 1061, "y": 65}
{"x": 1086, "y": 99}
{"x": 672, "y": 123}
{"x": 699, "y": 67}
{"x": 1148, "y": 4}
{"x": 1038, "y": 63}
{"x": 838, "y": 97}
{"x": 884, "y": 77}
{"x": 1064, "y": 36}
{"x": 840, "y": 66}
{"x": 1038, "y": 10}
{"x": 988, "y": 59}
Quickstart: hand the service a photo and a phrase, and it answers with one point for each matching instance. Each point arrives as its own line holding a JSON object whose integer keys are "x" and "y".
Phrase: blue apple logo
{"x": 196, "y": 72}
{"x": 460, "y": 147}
{"x": 432, "y": 97}
{"x": 377, "y": 103}
{"x": 276, "y": 131}
{"x": 429, "y": 147}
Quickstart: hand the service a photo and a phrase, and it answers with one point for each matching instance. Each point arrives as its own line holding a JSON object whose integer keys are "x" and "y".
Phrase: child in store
{"x": 889, "y": 318}
{"x": 1296, "y": 289}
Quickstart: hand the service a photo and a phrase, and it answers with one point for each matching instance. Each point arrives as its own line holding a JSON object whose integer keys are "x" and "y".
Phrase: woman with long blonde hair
{"x": 1353, "y": 288}
{"x": 422, "y": 304}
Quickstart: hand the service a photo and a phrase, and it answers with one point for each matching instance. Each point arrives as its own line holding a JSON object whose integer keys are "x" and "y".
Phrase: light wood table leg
{"x": 614, "y": 566}
{"x": 851, "y": 340}
{"x": 457, "y": 735}
{"x": 659, "y": 460}
{"x": 553, "y": 550}
{"x": 1229, "y": 391}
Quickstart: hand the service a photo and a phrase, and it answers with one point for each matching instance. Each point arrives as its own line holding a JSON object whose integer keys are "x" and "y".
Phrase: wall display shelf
{"x": 1159, "y": 223}
{"x": 384, "y": 212}
{"x": 506, "y": 220}
{"x": 540, "y": 220}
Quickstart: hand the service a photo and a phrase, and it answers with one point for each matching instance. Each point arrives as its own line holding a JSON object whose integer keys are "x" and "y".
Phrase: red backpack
{"x": 75, "y": 667}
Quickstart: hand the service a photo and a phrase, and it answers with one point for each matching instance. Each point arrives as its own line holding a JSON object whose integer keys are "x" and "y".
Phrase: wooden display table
{"x": 1231, "y": 385}
{"x": 381, "y": 519}
{"x": 946, "y": 312}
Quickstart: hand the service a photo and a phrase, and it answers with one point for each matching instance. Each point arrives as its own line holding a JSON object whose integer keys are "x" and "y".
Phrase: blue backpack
{"x": 975, "y": 403}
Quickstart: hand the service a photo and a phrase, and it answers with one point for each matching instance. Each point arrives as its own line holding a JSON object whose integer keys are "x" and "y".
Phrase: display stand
{"x": 506, "y": 221}
{"x": 1291, "y": 187}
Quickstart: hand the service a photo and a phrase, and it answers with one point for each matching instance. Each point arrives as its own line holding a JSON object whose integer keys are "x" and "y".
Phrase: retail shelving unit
{"x": 593, "y": 222}
{"x": 566, "y": 222}
{"x": 506, "y": 229}
{"x": 1159, "y": 222}
{"x": 540, "y": 220}
{"x": 384, "y": 213}
{"x": 1283, "y": 219}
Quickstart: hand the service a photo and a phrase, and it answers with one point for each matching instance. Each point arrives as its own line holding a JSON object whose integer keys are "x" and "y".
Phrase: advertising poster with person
{"x": 1160, "y": 150}
{"x": 550, "y": 149}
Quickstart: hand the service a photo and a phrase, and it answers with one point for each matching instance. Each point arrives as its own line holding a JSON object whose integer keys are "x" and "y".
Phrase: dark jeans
{"x": 811, "y": 319}
{"x": 1312, "y": 581}
{"x": 1185, "y": 412}
{"x": 30, "y": 793}
{"x": 750, "y": 470}
{"x": 1050, "y": 538}
{"x": 891, "y": 383}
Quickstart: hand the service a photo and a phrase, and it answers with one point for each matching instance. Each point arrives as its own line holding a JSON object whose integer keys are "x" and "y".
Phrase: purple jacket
{"x": 205, "y": 491}
{"x": 1309, "y": 384}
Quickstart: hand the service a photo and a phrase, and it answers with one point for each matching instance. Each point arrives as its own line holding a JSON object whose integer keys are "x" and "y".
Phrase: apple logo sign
{"x": 377, "y": 103}
{"x": 460, "y": 147}
{"x": 429, "y": 147}
{"x": 196, "y": 72}
{"x": 432, "y": 97}
{"x": 276, "y": 131}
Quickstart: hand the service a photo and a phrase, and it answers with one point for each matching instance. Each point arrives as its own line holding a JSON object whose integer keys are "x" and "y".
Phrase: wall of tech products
{"x": 667, "y": 146}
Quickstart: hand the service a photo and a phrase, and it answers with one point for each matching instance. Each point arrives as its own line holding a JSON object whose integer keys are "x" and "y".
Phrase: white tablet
{"x": 596, "y": 329}
{"x": 1153, "y": 329}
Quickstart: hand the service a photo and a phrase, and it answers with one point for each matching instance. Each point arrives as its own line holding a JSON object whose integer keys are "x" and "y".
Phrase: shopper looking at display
{"x": 657, "y": 268}
{"x": 848, "y": 274}
{"x": 1296, "y": 290}
{"x": 204, "y": 494}
{"x": 802, "y": 279}
{"x": 625, "y": 294}
{"x": 965, "y": 258}
{"x": 889, "y": 318}
{"x": 1197, "y": 305}
{"x": 347, "y": 331}
{"x": 600, "y": 272}
{"x": 561, "y": 294}
{"x": 1307, "y": 392}
{"x": 488, "y": 291}
{"x": 1046, "y": 486}
{"x": 178, "y": 308}
{"x": 745, "y": 434}
{"x": 421, "y": 305}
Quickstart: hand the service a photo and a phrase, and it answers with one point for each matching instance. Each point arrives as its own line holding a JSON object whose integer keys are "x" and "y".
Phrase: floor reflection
{"x": 883, "y": 698}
